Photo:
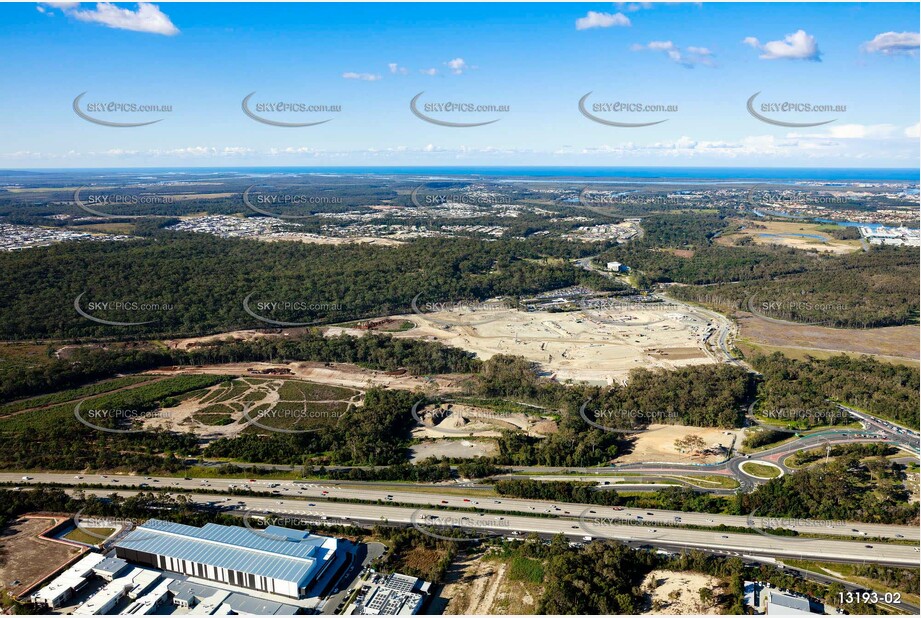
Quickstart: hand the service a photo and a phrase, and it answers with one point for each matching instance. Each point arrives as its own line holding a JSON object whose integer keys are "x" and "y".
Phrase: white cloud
{"x": 687, "y": 147}
{"x": 458, "y": 66}
{"x": 632, "y": 7}
{"x": 366, "y": 77}
{"x": 396, "y": 68}
{"x": 147, "y": 18}
{"x": 429, "y": 71}
{"x": 688, "y": 58}
{"x": 894, "y": 44}
{"x": 796, "y": 46}
{"x": 754, "y": 149}
{"x": 594, "y": 19}
{"x": 850, "y": 131}
{"x": 61, "y": 5}
{"x": 913, "y": 131}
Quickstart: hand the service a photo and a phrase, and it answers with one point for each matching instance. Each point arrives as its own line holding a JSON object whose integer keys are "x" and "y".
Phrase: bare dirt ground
{"x": 474, "y": 590}
{"x": 517, "y": 598}
{"x": 889, "y": 342}
{"x": 913, "y": 485}
{"x": 657, "y": 444}
{"x": 337, "y": 374}
{"x": 452, "y": 448}
{"x": 236, "y": 335}
{"x": 457, "y": 419}
{"x": 462, "y": 430}
{"x": 600, "y": 346}
{"x": 246, "y": 401}
{"x": 672, "y": 593}
{"x": 25, "y": 557}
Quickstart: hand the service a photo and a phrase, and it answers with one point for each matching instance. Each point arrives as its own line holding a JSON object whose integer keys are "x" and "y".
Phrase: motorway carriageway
{"x": 331, "y": 513}
{"x": 430, "y": 496}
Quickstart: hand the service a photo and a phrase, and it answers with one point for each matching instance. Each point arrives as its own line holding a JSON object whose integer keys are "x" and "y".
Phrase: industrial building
{"x": 278, "y": 560}
{"x": 765, "y": 599}
{"x": 65, "y": 585}
{"x": 390, "y": 595}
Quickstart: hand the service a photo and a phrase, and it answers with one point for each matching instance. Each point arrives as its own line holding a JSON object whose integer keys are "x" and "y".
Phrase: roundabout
{"x": 761, "y": 470}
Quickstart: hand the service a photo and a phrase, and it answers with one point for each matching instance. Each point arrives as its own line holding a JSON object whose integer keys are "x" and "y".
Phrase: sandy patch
{"x": 236, "y": 335}
{"x": 462, "y": 430}
{"x": 337, "y": 374}
{"x": 599, "y": 346}
{"x": 467, "y": 449}
{"x": 657, "y": 444}
{"x": 671, "y": 593}
{"x": 474, "y": 592}
{"x": 456, "y": 419}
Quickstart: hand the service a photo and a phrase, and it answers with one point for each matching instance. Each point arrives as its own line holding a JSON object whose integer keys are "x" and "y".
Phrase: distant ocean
{"x": 648, "y": 174}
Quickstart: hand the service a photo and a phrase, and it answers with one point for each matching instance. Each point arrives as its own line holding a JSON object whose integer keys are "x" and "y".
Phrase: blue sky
{"x": 537, "y": 59}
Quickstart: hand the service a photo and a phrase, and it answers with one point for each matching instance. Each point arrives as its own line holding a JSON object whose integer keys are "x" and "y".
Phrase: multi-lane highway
{"x": 896, "y": 434}
{"x": 432, "y": 495}
{"x": 440, "y": 521}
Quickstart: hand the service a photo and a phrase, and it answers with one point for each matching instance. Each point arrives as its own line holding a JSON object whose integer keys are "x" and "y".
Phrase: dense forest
{"x": 195, "y": 284}
{"x": 857, "y": 290}
{"x": 603, "y": 579}
{"x": 845, "y": 489}
{"x": 883, "y": 389}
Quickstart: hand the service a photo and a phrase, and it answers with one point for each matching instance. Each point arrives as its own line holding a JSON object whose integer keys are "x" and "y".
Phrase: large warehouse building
{"x": 280, "y": 561}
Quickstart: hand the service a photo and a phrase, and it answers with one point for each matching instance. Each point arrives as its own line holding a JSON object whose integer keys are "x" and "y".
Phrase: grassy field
{"x": 526, "y": 569}
{"x": 711, "y": 481}
{"x": 790, "y": 234}
{"x": 297, "y": 416}
{"x": 760, "y": 470}
{"x": 704, "y": 481}
{"x": 849, "y": 572}
{"x": 23, "y": 355}
{"x": 144, "y": 396}
{"x": 105, "y": 228}
{"x": 297, "y": 390}
{"x": 72, "y": 394}
{"x": 89, "y": 536}
{"x": 748, "y": 347}
{"x": 796, "y": 425}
